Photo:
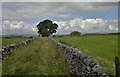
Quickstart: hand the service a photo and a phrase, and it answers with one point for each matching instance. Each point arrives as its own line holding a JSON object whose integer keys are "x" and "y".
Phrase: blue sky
{"x": 111, "y": 14}
{"x": 68, "y": 15}
{"x": 106, "y": 15}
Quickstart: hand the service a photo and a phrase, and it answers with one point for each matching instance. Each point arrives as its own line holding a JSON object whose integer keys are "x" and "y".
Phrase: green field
{"x": 0, "y": 42}
{"x": 103, "y": 48}
{"x": 40, "y": 57}
{"x": 6, "y": 41}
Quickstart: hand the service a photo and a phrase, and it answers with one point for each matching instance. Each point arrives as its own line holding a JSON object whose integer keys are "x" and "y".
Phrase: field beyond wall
{"x": 103, "y": 48}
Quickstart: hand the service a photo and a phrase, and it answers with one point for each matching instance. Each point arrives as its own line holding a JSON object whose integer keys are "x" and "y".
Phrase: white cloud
{"x": 61, "y": 24}
{"x": 97, "y": 25}
{"x": 88, "y": 26}
{"x": 111, "y": 27}
{"x": 0, "y": 18}
{"x": 65, "y": 10}
{"x": 17, "y": 27}
{"x": 60, "y": 0}
{"x": 75, "y": 22}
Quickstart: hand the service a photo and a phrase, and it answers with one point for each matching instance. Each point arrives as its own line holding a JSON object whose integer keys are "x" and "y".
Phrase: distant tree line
{"x": 75, "y": 33}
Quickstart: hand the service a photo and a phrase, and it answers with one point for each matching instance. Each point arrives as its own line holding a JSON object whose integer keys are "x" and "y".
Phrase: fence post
{"x": 117, "y": 67}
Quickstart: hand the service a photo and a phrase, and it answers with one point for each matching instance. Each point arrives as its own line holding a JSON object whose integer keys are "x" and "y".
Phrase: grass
{"x": 40, "y": 57}
{"x": 0, "y": 43}
{"x": 6, "y": 41}
{"x": 103, "y": 48}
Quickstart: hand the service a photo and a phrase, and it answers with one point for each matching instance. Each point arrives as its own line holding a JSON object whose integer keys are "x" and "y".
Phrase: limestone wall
{"x": 80, "y": 63}
{"x": 7, "y": 50}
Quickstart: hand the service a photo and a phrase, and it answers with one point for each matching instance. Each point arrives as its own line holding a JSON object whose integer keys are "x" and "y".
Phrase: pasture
{"x": 40, "y": 57}
{"x": 6, "y": 41}
{"x": 103, "y": 48}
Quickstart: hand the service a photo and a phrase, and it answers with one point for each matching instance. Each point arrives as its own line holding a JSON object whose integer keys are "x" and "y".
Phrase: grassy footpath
{"x": 40, "y": 57}
{"x": 102, "y": 47}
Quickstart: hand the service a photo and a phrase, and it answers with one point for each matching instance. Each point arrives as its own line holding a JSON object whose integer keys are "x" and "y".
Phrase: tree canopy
{"x": 46, "y": 28}
{"x": 75, "y": 33}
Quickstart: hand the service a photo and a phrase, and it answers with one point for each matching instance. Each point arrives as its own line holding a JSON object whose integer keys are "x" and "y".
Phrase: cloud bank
{"x": 88, "y": 26}
{"x": 60, "y": 0}
{"x": 18, "y": 27}
{"x": 63, "y": 10}
{"x": 65, "y": 27}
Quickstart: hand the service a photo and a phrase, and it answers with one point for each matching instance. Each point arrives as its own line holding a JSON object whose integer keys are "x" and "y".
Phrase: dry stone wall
{"x": 7, "y": 50}
{"x": 79, "y": 63}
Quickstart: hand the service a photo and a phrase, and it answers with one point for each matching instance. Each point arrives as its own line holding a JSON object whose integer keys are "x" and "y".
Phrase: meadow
{"x": 6, "y": 41}
{"x": 40, "y": 57}
{"x": 103, "y": 48}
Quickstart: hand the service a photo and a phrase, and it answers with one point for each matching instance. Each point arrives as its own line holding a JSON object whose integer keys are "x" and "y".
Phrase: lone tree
{"x": 75, "y": 33}
{"x": 46, "y": 28}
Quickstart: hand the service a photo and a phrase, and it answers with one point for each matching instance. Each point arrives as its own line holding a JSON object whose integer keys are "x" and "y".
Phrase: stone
{"x": 89, "y": 62}
{"x": 6, "y": 50}
{"x": 81, "y": 56}
{"x": 79, "y": 63}
{"x": 1, "y": 50}
{"x": 99, "y": 69}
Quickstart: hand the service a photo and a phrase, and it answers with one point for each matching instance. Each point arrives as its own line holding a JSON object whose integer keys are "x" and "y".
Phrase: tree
{"x": 46, "y": 28}
{"x": 75, "y": 33}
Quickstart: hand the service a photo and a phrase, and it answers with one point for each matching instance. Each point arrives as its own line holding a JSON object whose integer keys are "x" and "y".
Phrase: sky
{"x": 85, "y": 17}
